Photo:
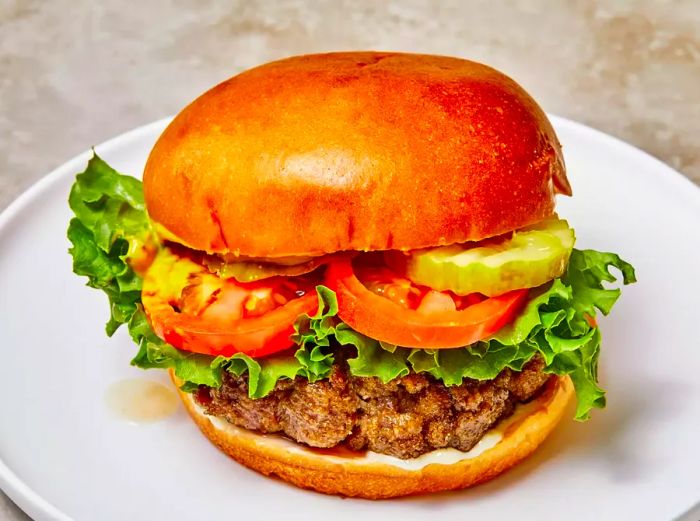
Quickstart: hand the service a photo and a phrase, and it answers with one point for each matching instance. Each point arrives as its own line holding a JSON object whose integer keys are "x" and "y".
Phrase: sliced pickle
{"x": 249, "y": 271}
{"x": 529, "y": 258}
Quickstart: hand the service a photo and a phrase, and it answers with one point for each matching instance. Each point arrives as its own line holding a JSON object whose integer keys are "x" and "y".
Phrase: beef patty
{"x": 405, "y": 418}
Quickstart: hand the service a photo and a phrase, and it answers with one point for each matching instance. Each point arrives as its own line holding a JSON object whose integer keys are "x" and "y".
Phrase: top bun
{"x": 354, "y": 151}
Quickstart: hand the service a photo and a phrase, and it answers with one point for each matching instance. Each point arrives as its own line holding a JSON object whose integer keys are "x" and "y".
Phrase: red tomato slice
{"x": 436, "y": 326}
{"x": 223, "y": 317}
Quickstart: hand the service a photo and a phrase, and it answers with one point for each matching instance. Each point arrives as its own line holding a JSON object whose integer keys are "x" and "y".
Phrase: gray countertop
{"x": 76, "y": 72}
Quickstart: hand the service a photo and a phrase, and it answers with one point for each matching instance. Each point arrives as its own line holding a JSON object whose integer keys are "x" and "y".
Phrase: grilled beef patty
{"x": 406, "y": 417}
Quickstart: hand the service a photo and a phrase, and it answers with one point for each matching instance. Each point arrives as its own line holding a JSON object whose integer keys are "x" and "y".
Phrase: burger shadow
{"x": 614, "y": 442}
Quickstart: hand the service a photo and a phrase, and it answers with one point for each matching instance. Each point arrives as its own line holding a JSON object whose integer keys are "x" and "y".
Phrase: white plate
{"x": 63, "y": 454}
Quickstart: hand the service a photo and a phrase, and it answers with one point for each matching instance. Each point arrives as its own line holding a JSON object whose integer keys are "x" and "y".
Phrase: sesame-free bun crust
{"x": 354, "y": 151}
{"x": 355, "y": 478}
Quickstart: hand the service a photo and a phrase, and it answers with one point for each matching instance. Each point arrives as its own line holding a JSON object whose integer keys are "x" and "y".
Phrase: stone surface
{"x": 76, "y": 72}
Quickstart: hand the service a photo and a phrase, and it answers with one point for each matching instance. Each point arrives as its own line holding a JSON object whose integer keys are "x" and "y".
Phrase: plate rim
{"x": 30, "y": 501}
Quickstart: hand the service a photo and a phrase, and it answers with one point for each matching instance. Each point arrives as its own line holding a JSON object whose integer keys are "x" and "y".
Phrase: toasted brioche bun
{"x": 354, "y": 151}
{"x": 357, "y": 477}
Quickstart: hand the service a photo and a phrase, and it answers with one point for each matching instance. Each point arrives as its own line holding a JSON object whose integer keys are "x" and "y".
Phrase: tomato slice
{"x": 197, "y": 311}
{"x": 433, "y": 323}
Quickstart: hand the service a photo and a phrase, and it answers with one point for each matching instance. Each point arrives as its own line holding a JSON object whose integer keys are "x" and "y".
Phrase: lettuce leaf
{"x": 110, "y": 222}
{"x": 263, "y": 374}
{"x": 557, "y": 323}
{"x": 313, "y": 335}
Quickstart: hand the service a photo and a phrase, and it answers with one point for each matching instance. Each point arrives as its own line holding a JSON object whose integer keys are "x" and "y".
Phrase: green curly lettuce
{"x": 557, "y": 323}
{"x": 110, "y": 223}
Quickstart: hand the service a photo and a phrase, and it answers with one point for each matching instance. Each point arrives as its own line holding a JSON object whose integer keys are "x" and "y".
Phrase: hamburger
{"x": 352, "y": 267}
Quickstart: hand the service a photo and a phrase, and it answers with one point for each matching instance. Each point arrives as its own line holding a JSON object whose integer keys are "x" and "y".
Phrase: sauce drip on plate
{"x": 141, "y": 401}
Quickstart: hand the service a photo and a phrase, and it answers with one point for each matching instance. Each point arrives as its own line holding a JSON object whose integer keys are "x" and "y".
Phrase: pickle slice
{"x": 251, "y": 270}
{"x": 530, "y": 257}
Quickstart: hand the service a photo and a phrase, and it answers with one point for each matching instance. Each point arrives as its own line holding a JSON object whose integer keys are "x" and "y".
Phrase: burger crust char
{"x": 322, "y": 153}
{"x": 405, "y": 417}
{"x": 356, "y": 478}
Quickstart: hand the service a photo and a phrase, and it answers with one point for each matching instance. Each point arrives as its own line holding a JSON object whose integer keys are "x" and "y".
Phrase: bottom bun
{"x": 377, "y": 476}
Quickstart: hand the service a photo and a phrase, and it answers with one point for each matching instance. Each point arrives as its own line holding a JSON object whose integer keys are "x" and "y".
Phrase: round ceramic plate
{"x": 65, "y": 455}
